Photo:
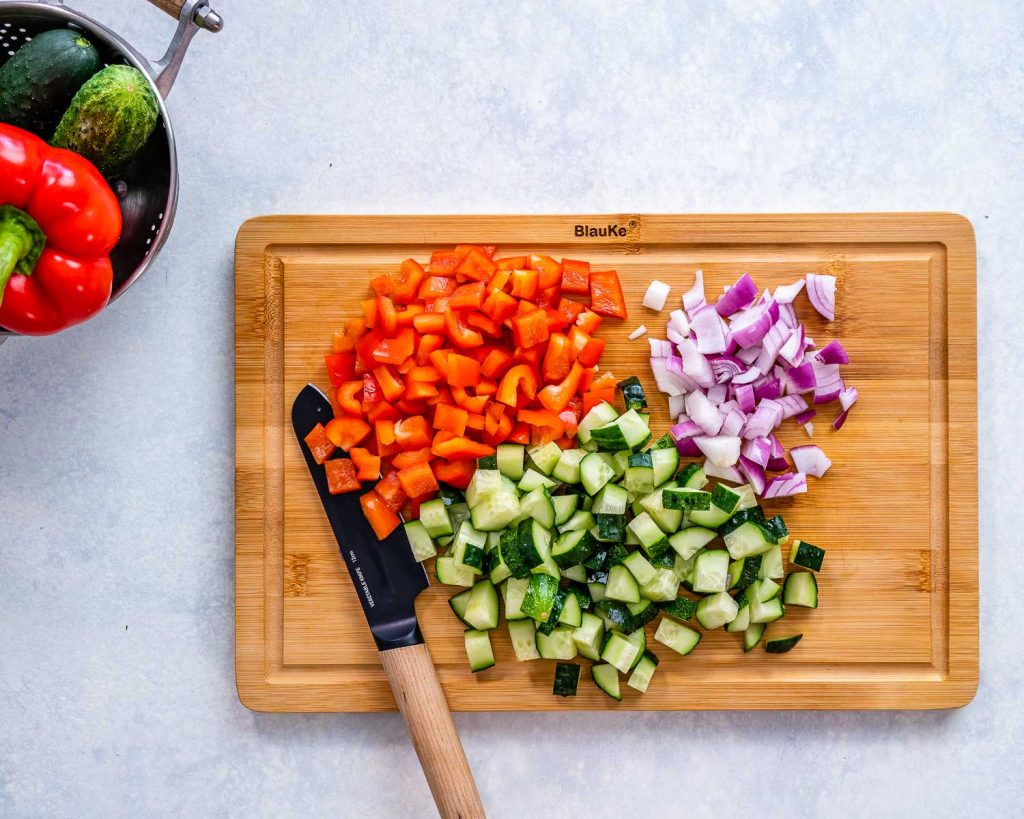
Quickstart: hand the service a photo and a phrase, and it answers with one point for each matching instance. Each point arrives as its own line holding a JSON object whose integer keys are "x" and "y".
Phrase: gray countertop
{"x": 117, "y": 693}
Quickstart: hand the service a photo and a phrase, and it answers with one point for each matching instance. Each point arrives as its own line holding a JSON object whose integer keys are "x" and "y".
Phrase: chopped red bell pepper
{"x": 570, "y": 309}
{"x": 455, "y": 473}
{"x": 467, "y": 297}
{"x": 588, "y": 321}
{"x": 320, "y": 446}
{"x": 591, "y": 352}
{"x": 548, "y": 297}
{"x": 390, "y": 490}
{"x": 555, "y": 397}
{"x": 428, "y": 344}
{"x": 497, "y": 423}
{"x": 443, "y": 263}
{"x": 450, "y": 419}
{"x": 366, "y": 463}
{"x": 383, "y": 285}
{"x": 594, "y": 397}
{"x": 370, "y": 313}
{"x": 435, "y": 287}
{"x": 498, "y": 305}
{"x": 341, "y": 476}
{"x": 461, "y": 370}
{"x": 417, "y": 480}
{"x": 467, "y": 401}
{"x": 520, "y": 433}
{"x": 459, "y": 448}
{"x": 481, "y": 322}
{"x": 410, "y": 275}
{"x": 530, "y": 329}
{"x": 387, "y": 316}
{"x": 550, "y": 271}
{"x": 346, "y": 395}
{"x": 557, "y": 359}
{"x": 459, "y": 333}
{"x": 382, "y": 411}
{"x": 606, "y": 297}
{"x": 341, "y": 367}
{"x": 476, "y": 266}
{"x": 496, "y": 363}
{"x": 346, "y": 432}
{"x": 395, "y": 350}
{"x": 346, "y": 341}
{"x": 412, "y": 457}
{"x": 519, "y": 379}
{"x": 556, "y": 320}
{"x": 371, "y": 389}
{"x": 547, "y": 426}
{"x": 382, "y": 519}
{"x": 421, "y": 391}
{"x": 390, "y": 384}
{"x": 524, "y": 283}
{"x": 512, "y": 262}
{"x": 413, "y": 433}
{"x": 575, "y": 277}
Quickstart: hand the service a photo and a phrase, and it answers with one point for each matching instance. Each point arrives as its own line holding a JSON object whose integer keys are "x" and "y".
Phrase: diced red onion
{"x": 678, "y": 321}
{"x": 693, "y": 299}
{"x": 777, "y": 335}
{"x": 740, "y": 295}
{"x": 829, "y": 383}
{"x": 782, "y": 486}
{"x": 792, "y": 351}
{"x": 840, "y": 420}
{"x": 758, "y": 450}
{"x": 745, "y": 397}
{"x": 721, "y": 450}
{"x": 777, "y": 461}
{"x": 674, "y": 335}
{"x": 848, "y": 397}
{"x": 704, "y": 413}
{"x": 725, "y": 473}
{"x": 767, "y": 388}
{"x": 832, "y": 353}
{"x": 725, "y": 367}
{"x": 753, "y": 472}
{"x": 809, "y": 429}
{"x": 734, "y": 421}
{"x": 695, "y": 365}
{"x": 767, "y": 416}
{"x": 788, "y": 292}
{"x": 821, "y": 289}
{"x": 749, "y": 377}
{"x": 660, "y": 348}
{"x": 639, "y": 331}
{"x": 668, "y": 382}
{"x": 676, "y": 405}
{"x": 687, "y": 448}
{"x": 803, "y": 417}
{"x": 810, "y": 459}
{"x": 685, "y": 428}
{"x": 787, "y": 315}
{"x": 707, "y": 325}
{"x": 656, "y": 295}
{"x": 717, "y": 394}
{"x": 801, "y": 379}
{"x": 792, "y": 405}
{"x": 751, "y": 326}
{"x": 749, "y": 355}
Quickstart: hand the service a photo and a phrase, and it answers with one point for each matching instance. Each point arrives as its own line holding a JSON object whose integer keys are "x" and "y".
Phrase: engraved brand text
{"x": 607, "y": 230}
{"x": 362, "y": 581}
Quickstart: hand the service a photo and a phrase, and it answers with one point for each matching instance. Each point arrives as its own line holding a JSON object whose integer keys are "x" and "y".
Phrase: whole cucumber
{"x": 39, "y": 81}
{"x": 110, "y": 118}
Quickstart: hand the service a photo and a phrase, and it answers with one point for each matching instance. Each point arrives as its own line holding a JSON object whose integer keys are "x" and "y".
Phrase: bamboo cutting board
{"x": 897, "y": 513}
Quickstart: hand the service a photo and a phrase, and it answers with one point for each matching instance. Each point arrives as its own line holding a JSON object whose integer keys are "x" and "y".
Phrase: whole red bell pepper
{"x": 59, "y": 220}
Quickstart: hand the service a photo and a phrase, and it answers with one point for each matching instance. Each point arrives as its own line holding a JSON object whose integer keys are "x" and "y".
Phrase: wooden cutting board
{"x": 898, "y": 512}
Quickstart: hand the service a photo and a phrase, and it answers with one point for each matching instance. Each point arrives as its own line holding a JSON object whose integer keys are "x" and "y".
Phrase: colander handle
{"x": 209, "y": 20}
{"x": 192, "y": 15}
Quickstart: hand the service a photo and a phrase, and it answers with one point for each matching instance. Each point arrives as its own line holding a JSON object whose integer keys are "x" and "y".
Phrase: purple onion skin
{"x": 687, "y": 448}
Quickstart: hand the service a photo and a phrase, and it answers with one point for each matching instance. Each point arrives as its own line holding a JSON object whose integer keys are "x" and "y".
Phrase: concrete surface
{"x": 116, "y": 500}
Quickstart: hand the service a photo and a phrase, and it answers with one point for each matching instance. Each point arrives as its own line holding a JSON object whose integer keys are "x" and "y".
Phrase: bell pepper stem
{"x": 21, "y": 243}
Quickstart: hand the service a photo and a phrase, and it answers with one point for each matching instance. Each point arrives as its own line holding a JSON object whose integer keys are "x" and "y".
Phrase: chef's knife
{"x": 387, "y": 580}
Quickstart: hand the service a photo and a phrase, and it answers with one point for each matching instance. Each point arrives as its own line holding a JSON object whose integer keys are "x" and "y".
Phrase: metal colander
{"x": 148, "y": 188}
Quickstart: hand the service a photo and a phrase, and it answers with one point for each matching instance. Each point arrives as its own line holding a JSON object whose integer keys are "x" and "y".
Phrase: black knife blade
{"x": 385, "y": 574}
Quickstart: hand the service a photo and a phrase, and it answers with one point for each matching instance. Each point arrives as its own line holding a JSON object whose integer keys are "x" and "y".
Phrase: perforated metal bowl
{"x": 148, "y": 188}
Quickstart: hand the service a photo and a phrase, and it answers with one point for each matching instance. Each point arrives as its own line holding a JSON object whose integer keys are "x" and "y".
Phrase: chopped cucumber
{"x": 546, "y": 626}
{"x": 478, "y": 650}
{"x": 450, "y": 573}
{"x": 419, "y": 539}
{"x": 640, "y": 568}
{"x": 606, "y": 677}
{"x": 744, "y": 572}
{"x": 538, "y": 505}
{"x": 687, "y": 499}
{"x": 780, "y": 645}
{"x": 801, "y": 590}
{"x": 595, "y": 472}
{"x": 571, "y": 613}
{"x": 458, "y": 605}
{"x": 540, "y": 597}
{"x": 483, "y": 483}
{"x": 682, "y": 608}
{"x": 631, "y": 393}
{"x": 610, "y": 528}
{"x": 567, "y": 679}
{"x": 681, "y": 639}
{"x": 628, "y": 431}
{"x": 692, "y": 477}
{"x": 664, "y": 462}
{"x": 495, "y": 511}
{"x": 771, "y": 564}
{"x": 545, "y": 456}
{"x": 748, "y": 539}
{"x": 717, "y": 610}
{"x": 742, "y": 620}
{"x": 589, "y": 636}
{"x": 806, "y": 555}
{"x": 482, "y": 608}
{"x": 622, "y": 585}
{"x": 663, "y": 588}
{"x": 515, "y": 592}
{"x": 579, "y": 520}
{"x": 565, "y": 507}
{"x": 640, "y": 679}
{"x": 577, "y": 573}
{"x": 611, "y": 500}
{"x": 752, "y": 636}
{"x": 572, "y": 548}
{"x": 687, "y": 542}
{"x": 599, "y": 415}
{"x": 532, "y": 479}
{"x": 711, "y": 572}
{"x": 651, "y": 538}
{"x": 669, "y": 520}
{"x": 435, "y": 518}
{"x": 567, "y": 470}
{"x": 523, "y": 634}
{"x": 558, "y": 645}
{"x": 509, "y": 459}
{"x": 619, "y": 651}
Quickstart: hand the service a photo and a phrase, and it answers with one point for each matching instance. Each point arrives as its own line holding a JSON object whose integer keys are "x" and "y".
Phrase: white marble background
{"x": 117, "y": 694}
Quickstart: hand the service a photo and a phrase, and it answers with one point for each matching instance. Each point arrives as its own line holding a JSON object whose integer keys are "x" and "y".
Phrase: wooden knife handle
{"x": 421, "y": 701}
{"x": 172, "y": 7}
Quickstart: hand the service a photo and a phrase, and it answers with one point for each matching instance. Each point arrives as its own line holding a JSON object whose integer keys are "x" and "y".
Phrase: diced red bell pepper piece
{"x": 413, "y": 433}
{"x": 556, "y": 396}
{"x": 548, "y": 297}
{"x": 487, "y": 386}
{"x": 428, "y": 374}
{"x": 461, "y": 370}
{"x": 345, "y": 341}
{"x": 570, "y": 309}
{"x": 530, "y": 329}
{"x": 387, "y": 316}
{"x": 519, "y": 379}
{"x": 476, "y": 266}
{"x": 481, "y": 322}
{"x": 384, "y": 433}
{"x": 428, "y": 344}
{"x": 450, "y": 419}
{"x": 370, "y": 312}
{"x": 520, "y": 433}
{"x": 421, "y": 391}
{"x": 382, "y": 411}
{"x": 592, "y": 398}
{"x": 455, "y": 473}
{"x": 524, "y": 283}
{"x": 556, "y": 321}
{"x": 390, "y": 490}
{"x": 575, "y": 277}
{"x": 557, "y": 359}
{"x": 497, "y": 423}
{"x": 382, "y": 520}
{"x": 605, "y": 379}
{"x": 591, "y": 352}
{"x": 467, "y": 401}
{"x": 531, "y": 356}
{"x": 371, "y": 390}
{"x": 495, "y": 363}
{"x": 382, "y": 285}
{"x": 413, "y": 456}
{"x": 546, "y": 425}
{"x": 395, "y": 350}
{"x": 341, "y": 367}
{"x": 435, "y": 287}
{"x": 443, "y": 263}
{"x": 346, "y": 395}
{"x": 588, "y": 321}
{"x": 407, "y": 316}
{"x": 499, "y": 306}
{"x": 458, "y": 448}
{"x": 459, "y": 333}
{"x": 550, "y": 271}
{"x": 467, "y": 297}
{"x": 475, "y": 421}
{"x": 366, "y": 345}
{"x": 410, "y": 276}
{"x": 367, "y": 464}
{"x": 320, "y": 446}
{"x": 417, "y": 480}
{"x": 462, "y": 251}
{"x": 341, "y": 476}
{"x": 390, "y": 384}
{"x": 428, "y": 322}
{"x": 512, "y": 262}
{"x": 346, "y": 432}
{"x": 606, "y": 297}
